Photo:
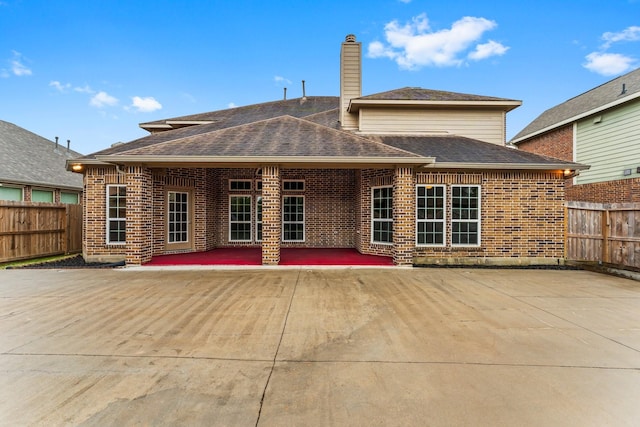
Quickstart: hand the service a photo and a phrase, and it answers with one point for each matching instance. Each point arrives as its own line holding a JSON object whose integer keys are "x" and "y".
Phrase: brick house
{"x": 419, "y": 175}
{"x": 601, "y": 128}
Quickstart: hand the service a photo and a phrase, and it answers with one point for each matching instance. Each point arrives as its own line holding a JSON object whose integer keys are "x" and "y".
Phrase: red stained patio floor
{"x": 288, "y": 256}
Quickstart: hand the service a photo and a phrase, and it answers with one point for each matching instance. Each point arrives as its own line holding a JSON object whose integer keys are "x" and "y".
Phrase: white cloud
{"x": 486, "y": 50}
{"x": 231, "y": 105}
{"x": 415, "y": 45}
{"x": 405, "y": 1}
{"x": 59, "y": 86}
{"x": 145, "y": 105}
{"x": 103, "y": 99}
{"x": 17, "y": 66}
{"x": 630, "y": 34}
{"x": 608, "y": 64}
{"x": 83, "y": 89}
{"x": 280, "y": 79}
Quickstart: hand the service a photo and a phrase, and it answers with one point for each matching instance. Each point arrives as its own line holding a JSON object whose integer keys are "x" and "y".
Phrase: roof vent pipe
{"x": 304, "y": 92}
{"x": 56, "y": 142}
{"x": 285, "y": 93}
{"x": 624, "y": 89}
{"x": 68, "y": 145}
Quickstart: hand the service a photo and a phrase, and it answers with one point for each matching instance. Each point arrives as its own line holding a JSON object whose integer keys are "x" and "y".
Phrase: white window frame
{"x": 477, "y": 220}
{"x": 374, "y": 220}
{"x": 188, "y": 221}
{"x": 304, "y": 218}
{"x": 109, "y": 219}
{"x": 250, "y": 222}
{"x": 443, "y": 221}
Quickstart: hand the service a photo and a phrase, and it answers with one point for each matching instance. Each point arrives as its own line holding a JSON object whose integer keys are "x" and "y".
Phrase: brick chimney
{"x": 350, "y": 79}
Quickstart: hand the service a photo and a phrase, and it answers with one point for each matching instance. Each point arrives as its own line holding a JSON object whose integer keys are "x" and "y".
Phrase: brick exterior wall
{"x": 557, "y": 143}
{"x": 139, "y": 247}
{"x": 522, "y": 212}
{"x": 271, "y": 215}
{"x": 522, "y": 215}
{"x": 94, "y": 225}
{"x": 404, "y": 216}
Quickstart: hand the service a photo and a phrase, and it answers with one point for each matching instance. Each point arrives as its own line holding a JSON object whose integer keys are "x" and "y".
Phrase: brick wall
{"x": 94, "y": 242}
{"x": 522, "y": 214}
{"x": 139, "y": 247}
{"x": 271, "y": 215}
{"x": 618, "y": 191}
{"x": 557, "y": 143}
{"x": 370, "y": 178}
{"x": 404, "y": 216}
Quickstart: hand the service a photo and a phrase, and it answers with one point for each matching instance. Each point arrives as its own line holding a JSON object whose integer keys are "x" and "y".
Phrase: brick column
{"x": 271, "y": 215}
{"x": 139, "y": 215}
{"x": 404, "y": 216}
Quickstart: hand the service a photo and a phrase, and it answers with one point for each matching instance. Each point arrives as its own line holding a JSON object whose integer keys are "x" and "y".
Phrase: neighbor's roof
{"x": 416, "y": 96}
{"x": 598, "y": 99}
{"x": 30, "y": 159}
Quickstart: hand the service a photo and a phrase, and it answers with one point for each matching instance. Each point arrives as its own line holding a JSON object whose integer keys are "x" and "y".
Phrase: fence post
{"x": 606, "y": 224}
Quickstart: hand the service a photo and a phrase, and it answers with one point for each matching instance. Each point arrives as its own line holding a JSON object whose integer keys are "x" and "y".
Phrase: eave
{"x": 510, "y": 166}
{"x": 309, "y": 162}
{"x": 356, "y": 104}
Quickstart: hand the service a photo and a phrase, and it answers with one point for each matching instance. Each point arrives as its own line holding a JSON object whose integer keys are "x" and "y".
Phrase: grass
{"x": 22, "y": 263}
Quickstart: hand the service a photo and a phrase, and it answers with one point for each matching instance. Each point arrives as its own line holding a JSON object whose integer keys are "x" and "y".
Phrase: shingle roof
{"x": 283, "y": 136}
{"x": 460, "y": 150}
{"x": 296, "y": 107}
{"x": 591, "y": 101}
{"x": 420, "y": 94}
{"x": 28, "y": 158}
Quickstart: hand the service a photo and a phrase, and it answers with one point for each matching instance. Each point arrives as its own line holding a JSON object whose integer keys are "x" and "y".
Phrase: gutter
{"x": 510, "y": 166}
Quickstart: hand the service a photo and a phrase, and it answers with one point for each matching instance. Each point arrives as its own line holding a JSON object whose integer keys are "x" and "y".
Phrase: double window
{"x": 116, "y": 214}
{"x": 431, "y": 215}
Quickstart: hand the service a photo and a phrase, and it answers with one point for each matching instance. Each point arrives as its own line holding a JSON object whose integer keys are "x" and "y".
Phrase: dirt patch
{"x": 71, "y": 262}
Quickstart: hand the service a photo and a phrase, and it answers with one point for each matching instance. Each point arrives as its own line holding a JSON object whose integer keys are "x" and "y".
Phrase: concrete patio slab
{"x": 318, "y": 347}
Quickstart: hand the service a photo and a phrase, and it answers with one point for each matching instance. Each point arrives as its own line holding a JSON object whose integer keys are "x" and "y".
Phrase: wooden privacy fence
{"x": 607, "y": 233}
{"x": 32, "y": 230}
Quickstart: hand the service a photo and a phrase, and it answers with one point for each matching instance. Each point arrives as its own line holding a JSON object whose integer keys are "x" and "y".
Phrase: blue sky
{"x": 91, "y": 70}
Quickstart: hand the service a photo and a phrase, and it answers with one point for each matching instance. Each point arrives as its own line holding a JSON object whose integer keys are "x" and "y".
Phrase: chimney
{"x": 350, "y": 79}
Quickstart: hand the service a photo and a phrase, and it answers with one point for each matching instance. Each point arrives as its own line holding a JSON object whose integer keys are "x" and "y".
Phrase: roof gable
{"x": 597, "y": 99}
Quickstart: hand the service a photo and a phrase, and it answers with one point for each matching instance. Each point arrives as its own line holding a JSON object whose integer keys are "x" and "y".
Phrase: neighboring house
{"x": 419, "y": 175}
{"x": 600, "y": 128}
{"x": 34, "y": 168}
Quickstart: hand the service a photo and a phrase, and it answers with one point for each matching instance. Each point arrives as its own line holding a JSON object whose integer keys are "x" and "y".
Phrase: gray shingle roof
{"x": 283, "y": 136}
{"x": 461, "y": 150}
{"x": 28, "y": 158}
{"x": 592, "y": 100}
{"x": 420, "y": 94}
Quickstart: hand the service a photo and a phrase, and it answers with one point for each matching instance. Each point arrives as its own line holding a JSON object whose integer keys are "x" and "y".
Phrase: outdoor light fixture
{"x": 76, "y": 167}
{"x": 567, "y": 172}
{"x": 627, "y": 172}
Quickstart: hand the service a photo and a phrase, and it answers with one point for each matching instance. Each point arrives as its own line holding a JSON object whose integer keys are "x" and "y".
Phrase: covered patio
{"x": 289, "y": 256}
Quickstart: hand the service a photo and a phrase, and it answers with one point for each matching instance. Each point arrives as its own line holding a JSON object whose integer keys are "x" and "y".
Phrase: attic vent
{"x": 624, "y": 89}
{"x": 351, "y": 38}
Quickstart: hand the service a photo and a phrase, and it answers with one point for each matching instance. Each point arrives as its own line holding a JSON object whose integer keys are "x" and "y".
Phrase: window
{"x": 240, "y": 184}
{"x": 116, "y": 214}
{"x": 259, "y": 218}
{"x": 178, "y": 222}
{"x": 293, "y": 219}
{"x": 42, "y": 196}
{"x": 11, "y": 193}
{"x": 69, "y": 198}
{"x": 430, "y": 215}
{"x": 465, "y": 215}
{"x": 240, "y": 218}
{"x": 293, "y": 185}
{"x": 382, "y": 215}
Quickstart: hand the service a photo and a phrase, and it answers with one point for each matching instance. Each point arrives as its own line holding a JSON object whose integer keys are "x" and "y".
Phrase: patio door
{"x": 179, "y": 220}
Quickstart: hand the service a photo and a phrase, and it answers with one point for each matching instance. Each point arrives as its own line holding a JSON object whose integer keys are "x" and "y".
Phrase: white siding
{"x": 350, "y": 82}
{"x": 611, "y": 145}
{"x": 484, "y": 125}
